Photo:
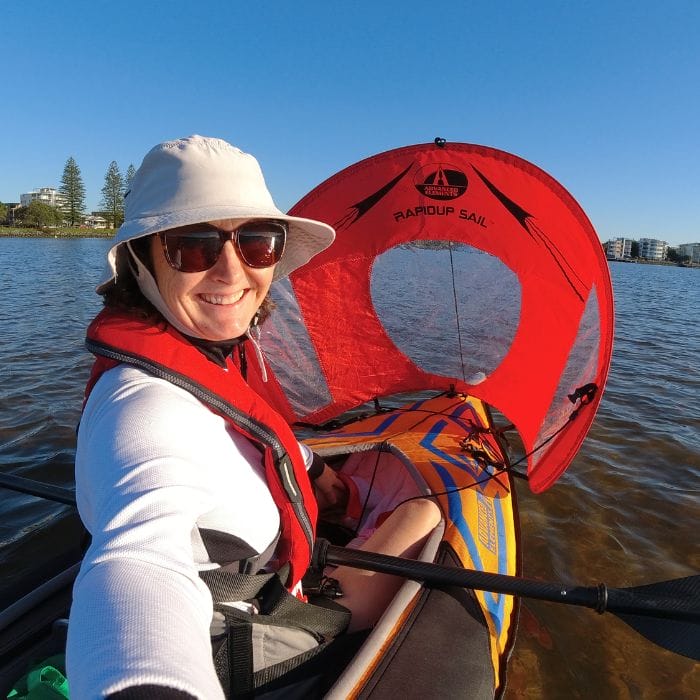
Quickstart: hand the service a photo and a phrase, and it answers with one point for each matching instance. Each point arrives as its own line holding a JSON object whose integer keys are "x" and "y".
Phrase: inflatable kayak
{"x": 448, "y": 446}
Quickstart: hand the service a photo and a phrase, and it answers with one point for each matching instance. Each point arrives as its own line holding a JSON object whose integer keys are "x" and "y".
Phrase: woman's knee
{"x": 421, "y": 510}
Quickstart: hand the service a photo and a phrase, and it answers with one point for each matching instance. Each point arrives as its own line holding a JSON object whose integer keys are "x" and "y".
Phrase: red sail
{"x": 453, "y": 264}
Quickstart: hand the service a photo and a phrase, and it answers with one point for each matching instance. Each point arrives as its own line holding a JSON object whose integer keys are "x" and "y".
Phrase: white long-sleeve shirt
{"x": 166, "y": 489}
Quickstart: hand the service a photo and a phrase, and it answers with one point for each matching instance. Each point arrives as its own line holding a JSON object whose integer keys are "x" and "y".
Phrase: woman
{"x": 186, "y": 479}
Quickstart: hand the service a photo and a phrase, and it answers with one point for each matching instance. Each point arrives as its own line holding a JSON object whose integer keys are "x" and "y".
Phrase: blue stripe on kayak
{"x": 463, "y": 408}
{"x": 460, "y": 410}
{"x": 455, "y": 514}
{"x": 372, "y": 433}
{"x": 495, "y": 602}
{"x": 386, "y": 423}
{"x": 477, "y": 470}
{"x": 467, "y": 464}
{"x": 416, "y": 406}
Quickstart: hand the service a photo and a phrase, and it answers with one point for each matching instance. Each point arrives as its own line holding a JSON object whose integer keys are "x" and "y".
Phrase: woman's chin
{"x": 220, "y": 324}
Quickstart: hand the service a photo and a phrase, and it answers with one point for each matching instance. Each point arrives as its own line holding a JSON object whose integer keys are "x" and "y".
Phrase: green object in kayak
{"x": 46, "y": 681}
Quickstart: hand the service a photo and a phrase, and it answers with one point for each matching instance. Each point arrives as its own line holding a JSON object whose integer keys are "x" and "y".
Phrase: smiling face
{"x": 218, "y": 303}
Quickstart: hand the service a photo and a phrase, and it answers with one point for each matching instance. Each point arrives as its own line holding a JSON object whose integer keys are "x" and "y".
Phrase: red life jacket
{"x": 160, "y": 350}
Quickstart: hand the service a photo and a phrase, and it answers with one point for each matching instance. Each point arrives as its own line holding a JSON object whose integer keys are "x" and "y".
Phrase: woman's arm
{"x": 147, "y": 469}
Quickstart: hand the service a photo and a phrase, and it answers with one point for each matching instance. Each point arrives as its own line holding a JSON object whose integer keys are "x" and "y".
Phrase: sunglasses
{"x": 197, "y": 248}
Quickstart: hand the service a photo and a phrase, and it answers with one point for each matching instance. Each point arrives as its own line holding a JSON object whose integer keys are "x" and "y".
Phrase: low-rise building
{"x": 690, "y": 250}
{"x": 618, "y": 248}
{"x": 95, "y": 221}
{"x": 652, "y": 249}
{"x": 46, "y": 195}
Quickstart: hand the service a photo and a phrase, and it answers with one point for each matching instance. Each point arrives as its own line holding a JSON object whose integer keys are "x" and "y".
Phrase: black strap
{"x": 253, "y": 564}
{"x": 229, "y": 586}
{"x": 240, "y": 659}
{"x": 278, "y": 607}
{"x": 327, "y": 621}
{"x": 316, "y": 468}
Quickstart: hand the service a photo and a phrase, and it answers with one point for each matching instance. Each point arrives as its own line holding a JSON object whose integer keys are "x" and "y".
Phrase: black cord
{"x": 584, "y": 395}
{"x": 509, "y": 469}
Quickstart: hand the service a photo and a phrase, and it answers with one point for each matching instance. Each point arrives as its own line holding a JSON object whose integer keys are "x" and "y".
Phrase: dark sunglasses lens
{"x": 261, "y": 248}
{"x": 193, "y": 252}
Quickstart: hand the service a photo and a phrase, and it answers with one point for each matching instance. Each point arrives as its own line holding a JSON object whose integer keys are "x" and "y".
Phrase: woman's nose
{"x": 229, "y": 266}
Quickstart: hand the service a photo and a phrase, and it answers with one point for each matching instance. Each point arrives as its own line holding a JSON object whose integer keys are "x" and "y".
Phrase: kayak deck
{"x": 448, "y": 445}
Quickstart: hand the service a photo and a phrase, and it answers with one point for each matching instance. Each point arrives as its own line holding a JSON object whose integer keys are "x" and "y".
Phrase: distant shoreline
{"x": 9, "y": 232}
{"x": 641, "y": 261}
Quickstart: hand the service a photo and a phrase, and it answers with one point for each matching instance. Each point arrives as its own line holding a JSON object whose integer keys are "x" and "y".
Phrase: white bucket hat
{"x": 198, "y": 179}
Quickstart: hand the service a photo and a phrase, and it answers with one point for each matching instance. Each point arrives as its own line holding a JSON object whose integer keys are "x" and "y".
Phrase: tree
{"x": 130, "y": 172}
{"x": 634, "y": 252}
{"x": 73, "y": 191}
{"x": 39, "y": 214}
{"x": 3, "y": 212}
{"x": 113, "y": 195}
{"x": 674, "y": 255}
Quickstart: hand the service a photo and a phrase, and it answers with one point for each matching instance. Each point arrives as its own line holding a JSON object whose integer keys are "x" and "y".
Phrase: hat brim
{"x": 305, "y": 237}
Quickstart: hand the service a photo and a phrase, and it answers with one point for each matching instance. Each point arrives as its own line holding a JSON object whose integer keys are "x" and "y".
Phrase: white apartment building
{"x": 618, "y": 248}
{"x": 692, "y": 250}
{"x": 652, "y": 249}
{"x": 47, "y": 195}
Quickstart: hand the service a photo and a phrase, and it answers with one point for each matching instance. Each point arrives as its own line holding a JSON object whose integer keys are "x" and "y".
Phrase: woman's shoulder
{"x": 141, "y": 432}
{"x": 131, "y": 405}
{"x": 126, "y": 393}
{"x": 126, "y": 383}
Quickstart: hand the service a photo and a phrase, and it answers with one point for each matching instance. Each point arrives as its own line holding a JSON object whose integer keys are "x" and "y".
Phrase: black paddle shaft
{"x": 37, "y": 488}
{"x": 640, "y": 601}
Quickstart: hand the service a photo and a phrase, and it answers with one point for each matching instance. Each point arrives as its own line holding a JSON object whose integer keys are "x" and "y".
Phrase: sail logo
{"x": 440, "y": 181}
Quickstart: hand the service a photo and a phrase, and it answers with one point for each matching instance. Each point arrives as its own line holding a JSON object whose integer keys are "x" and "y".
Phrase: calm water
{"x": 626, "y": 512}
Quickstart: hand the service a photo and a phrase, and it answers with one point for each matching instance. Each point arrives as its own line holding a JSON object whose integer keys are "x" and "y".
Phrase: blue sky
{"x": 605, "y": 95}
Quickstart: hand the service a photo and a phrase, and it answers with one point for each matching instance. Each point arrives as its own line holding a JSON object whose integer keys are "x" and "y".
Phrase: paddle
{"x": 37, "y": 488}
{"x": 667, "y": 613}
